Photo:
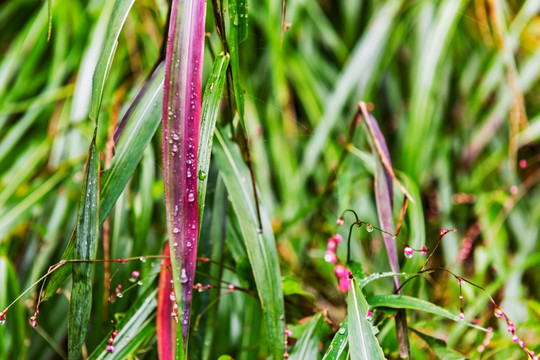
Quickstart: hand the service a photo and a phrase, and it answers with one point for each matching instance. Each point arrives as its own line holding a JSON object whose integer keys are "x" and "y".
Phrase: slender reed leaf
{"x": 439, "y": 347}
{"x": 181, "y": 120}
{"x": 132, "y": 137}
{"x": 136, "y": 324}
{"x": 165, "y": 326}
{"x": 408, "y": 302}
{"x": 210, "y": 107}
{"x": 260, "y": 246}
{"x": 340, "y": 343}
{"x": 307, "y": 347}
{"x": 85, "y": 248}
{"x": 116, "y": 22}
{"x": 362, "y": 342}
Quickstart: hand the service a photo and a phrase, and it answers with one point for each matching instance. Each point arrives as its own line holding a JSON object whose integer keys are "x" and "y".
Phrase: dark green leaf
{"x": 85, "y": 248}
{"x": 260, "y": 246}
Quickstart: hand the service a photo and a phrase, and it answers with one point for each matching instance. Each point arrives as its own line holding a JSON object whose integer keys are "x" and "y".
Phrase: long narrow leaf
{"x": 260, "y": 246}
{"x": 118, "y": 17}
{"x": 210, "y": 107}
{"x": 307, "y": 347}
{"x": 384, "y": 202}
{"x": 132, "y": 136}
{"x": 136, "y": 322}
{"x": 165, "y": 327}
{"x": 407, "y": 302}
{"x": 85, "y": 248}
{"x": 181, "y": 120}
{"x": 340, "y": 343}
{"x": 362, "y": 342}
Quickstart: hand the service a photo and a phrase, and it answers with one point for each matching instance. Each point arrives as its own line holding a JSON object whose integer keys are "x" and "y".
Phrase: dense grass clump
{"x": 252, "y": 180}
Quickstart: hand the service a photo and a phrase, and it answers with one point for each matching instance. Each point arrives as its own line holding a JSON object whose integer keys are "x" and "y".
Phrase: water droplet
{"x": 188, "y": 174}
{"x": 2, "y": 318}
{"x": 369, "y": 315}
{"x": 188, "y": 244}
{"x": 369, "y": 227}
{"x": 498, "y": 312}
{"x": 175, "y": 137}
{"x": 33, "y": 321}
{"x": 341, "y": 331}
{"x": 191, "y": 197}
{"x": 139, "y": 282}
{"x": 119, "y": 295}
{"x": 183, "y": 277}
{"x": 174, "y": 148}
{"x": 185, "y": 322}
{"x": 170, "y": 113}
{"x": 175, "y": 244}
{"x": 143, "y": 258}
{"x": 176, "y": 230}
{"x": 193, "y": 226}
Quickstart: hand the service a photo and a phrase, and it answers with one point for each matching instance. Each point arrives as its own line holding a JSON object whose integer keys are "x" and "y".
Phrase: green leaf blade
{"x": 85, "y": 248}
{"x": 260, "y": 246}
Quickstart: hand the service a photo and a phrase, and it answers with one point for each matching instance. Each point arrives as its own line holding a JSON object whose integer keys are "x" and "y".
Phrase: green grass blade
{"x": 209, "y": 112}
{"x": 261, "y": 246}
{"x": 439, "y": 347}
{"x": 136, "y": 326}
{"x": 340, "y": 343}
{"x": 307, "y": 347}
{"x": 133, "y": 135}
{"x": 408, "y": 302}
{"x": 237, "y": 32}
{"x": 117, "y": 19}
{"x": 362, "y": 341}
{"x": 85, "y": 248}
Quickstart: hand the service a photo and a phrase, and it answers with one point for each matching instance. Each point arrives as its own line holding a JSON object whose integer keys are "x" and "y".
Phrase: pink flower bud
{"x": 338, "y": 238}
{"x": 331, "y": 245}
{"x": 330, "y": 257}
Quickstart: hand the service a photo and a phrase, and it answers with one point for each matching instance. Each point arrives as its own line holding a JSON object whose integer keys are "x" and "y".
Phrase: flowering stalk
{"x": 181, "y": 121}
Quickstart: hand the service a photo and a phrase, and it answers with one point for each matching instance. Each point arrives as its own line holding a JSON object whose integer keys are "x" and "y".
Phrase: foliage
{"x": 448, "y": 126}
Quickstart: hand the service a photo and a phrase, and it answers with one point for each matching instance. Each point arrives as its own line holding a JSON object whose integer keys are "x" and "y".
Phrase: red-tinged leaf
{"x": 165, "y": 325}
{"x": 384, "y": 201}
{"x": 181, "y": 122}
{"x": 380, "y": 145}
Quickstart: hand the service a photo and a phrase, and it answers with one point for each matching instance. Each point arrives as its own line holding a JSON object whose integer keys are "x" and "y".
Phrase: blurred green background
{"x": 453, "y": 84}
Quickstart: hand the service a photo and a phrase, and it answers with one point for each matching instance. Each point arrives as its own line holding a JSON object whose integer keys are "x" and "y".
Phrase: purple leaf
{"x": 384, "y": 174}
{"x": 181, "y": 121}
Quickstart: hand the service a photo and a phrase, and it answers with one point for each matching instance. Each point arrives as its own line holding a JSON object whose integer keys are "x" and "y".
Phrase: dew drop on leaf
{"x": 369, "y": 228}
{"x": 183, "y": 277}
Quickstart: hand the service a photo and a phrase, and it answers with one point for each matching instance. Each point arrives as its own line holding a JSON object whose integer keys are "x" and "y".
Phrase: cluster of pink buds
{"x": 511, "y": 328}
{"x": 332, "y": 244}
{"x": 116, "y": 294}
{"x": 344, "y": 278}
{"x": 341, "y": 272}
{"x": 33, "y": 318}
{"x": 110, "y": 347}
{"x": 486, "y": 341}
{"x": 200, "y": 287}
{"x": 287, "y": 334}
{"x": 409, "y": 251}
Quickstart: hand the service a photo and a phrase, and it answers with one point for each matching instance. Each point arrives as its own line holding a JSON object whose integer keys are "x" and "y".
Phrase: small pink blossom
{"x": 330, "y": 256}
